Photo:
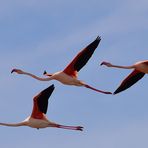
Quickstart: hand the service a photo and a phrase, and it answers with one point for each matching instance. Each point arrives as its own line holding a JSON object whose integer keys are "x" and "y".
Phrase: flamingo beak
{"x": 102, "y": 63}
{"x": 13, "y": 70}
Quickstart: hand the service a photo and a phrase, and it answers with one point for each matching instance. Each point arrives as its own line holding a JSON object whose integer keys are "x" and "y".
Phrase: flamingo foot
{"x": 98, "y": 38}
{"x": 80, "y": 128}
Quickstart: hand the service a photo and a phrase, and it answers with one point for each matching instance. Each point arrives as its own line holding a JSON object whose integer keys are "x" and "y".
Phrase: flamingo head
{"x": 13, "y": 70}
{"x": 103, "y": 63}
{"x": 17, "y": 71}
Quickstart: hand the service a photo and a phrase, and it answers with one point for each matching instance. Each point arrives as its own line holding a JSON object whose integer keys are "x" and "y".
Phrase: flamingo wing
{"x": 130, "y": 80}
{"x": 82, "y": 58}
{"x": 41, "y": 102}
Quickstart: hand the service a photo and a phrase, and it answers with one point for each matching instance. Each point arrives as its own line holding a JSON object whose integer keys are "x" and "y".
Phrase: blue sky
{"x": 39, "y": 35}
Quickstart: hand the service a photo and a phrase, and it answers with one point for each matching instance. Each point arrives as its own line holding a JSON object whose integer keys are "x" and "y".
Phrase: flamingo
{"x": 38, "y": 117}
{"x": 69, "y": 76}
{"x": 140, "y": 69}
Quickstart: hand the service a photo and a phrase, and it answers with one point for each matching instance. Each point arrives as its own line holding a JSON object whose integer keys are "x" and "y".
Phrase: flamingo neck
{"x": 13, "y": 124}
{"x": 123, "y": 67}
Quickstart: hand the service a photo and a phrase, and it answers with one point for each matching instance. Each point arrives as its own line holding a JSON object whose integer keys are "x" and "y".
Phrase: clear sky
{"x": 37, "y": 35}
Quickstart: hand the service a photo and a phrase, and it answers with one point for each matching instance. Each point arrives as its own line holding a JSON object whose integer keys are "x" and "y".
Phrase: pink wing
{"x": 129, "y": 81}
{"x": 40, "y": 102}
{"x": 82, "y": 58}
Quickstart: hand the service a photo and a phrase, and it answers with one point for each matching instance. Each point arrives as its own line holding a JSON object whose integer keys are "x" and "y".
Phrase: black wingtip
{"x": 114, "y": 93}
{"x": 45, "y": 72}
{"x": 98, "y": 38}
{"x": 52, "y": 86}
{"x": 129, "y": 81}
{"x": 117, "y": 91}
{"x": 42, "y": 98}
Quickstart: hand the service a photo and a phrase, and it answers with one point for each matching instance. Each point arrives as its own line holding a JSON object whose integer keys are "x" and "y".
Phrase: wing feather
{"x": 130, "y": 80}
{"x": 41, "y": 102}
{"x": 82, "y": 58}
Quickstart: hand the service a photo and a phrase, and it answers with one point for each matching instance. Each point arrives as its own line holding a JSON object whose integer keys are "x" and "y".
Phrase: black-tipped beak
{"x": 13, "y": 70}
{"x": 102, "y": 64}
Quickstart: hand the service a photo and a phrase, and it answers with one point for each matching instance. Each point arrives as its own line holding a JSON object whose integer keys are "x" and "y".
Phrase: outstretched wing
{"x": 82, "y": 58}
{"x": 41, "y": 102}
{"x": 129, "y": 81}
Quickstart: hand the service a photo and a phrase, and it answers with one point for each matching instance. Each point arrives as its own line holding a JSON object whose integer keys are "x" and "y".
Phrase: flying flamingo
{"x": 140, "y": 69}
{"x": 38, "y": 117}
{"x": 69, "y": 76}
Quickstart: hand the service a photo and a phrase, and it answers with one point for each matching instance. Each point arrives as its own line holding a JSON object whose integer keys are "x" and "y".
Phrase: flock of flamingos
{"x": 69, "y": 76}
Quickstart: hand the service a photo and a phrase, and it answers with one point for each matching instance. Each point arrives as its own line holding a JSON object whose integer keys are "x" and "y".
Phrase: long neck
{"x": 123, "y": 67}
{"x": 38, "y": 78}
{"x": 13, "y": 124}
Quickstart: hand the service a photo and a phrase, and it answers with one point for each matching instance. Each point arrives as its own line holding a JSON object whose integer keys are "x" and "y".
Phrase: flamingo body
{"x": 66, "y": 79}
{"x": 69, "y": 76}
{"x": 142, "y": 66}
{"x": 140, "y": 69}
{"x": 38, "y": 118}
{"x": 37, "y": 123}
